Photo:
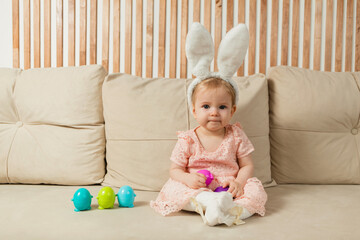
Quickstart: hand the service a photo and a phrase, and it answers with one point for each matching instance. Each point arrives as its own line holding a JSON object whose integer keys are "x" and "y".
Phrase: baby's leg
{"x": 253, "y": 200}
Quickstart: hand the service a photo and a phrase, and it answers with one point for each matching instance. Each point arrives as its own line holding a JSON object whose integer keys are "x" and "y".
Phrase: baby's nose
{"x": 214, "y": 111}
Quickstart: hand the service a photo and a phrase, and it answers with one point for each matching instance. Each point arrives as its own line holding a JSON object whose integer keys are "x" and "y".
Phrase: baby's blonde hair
{"x": 214, "y": 83}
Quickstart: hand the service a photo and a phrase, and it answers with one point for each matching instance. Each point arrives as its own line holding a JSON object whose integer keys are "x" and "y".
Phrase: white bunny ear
{"x": 232, "y": 51}
{"x": 199, "y": 49}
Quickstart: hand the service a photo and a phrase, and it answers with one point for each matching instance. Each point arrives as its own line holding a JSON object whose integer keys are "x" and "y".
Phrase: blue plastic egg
{"x": 126, "y": 197}
{"x": 82, "y": 200}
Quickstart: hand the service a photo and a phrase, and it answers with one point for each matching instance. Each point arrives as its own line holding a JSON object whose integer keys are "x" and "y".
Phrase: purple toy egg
{"x": 208, "y": 175}
{"x": 221, "y": 189}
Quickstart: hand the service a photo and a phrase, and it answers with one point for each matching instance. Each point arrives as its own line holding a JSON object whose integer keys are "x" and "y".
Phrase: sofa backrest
{"x": 52, "y": 126}
{"x": 314, "y": 126}
{"x": 142, "y": 117}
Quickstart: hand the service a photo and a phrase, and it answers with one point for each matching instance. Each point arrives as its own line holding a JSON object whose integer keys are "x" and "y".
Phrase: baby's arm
{"x": 236, "y": 187}
{"x": 192, "y": 180}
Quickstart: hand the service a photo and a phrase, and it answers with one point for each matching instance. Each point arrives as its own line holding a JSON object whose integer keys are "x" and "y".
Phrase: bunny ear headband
{"x": 200, "y": 52}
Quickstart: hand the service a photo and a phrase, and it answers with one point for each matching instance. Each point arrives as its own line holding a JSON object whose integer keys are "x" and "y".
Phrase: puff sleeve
{"x": 181, "y": 152}
{"x": 244, "y": 146}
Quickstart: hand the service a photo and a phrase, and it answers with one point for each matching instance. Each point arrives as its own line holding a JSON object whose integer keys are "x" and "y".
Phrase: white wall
{"x": 6, "y": 34}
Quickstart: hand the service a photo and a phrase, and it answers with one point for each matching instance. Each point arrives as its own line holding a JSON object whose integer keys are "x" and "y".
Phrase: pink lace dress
{"x": 222, "y": 163}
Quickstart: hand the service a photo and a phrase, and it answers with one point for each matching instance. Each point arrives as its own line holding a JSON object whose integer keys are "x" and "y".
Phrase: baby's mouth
{"x": 215, "y": 121}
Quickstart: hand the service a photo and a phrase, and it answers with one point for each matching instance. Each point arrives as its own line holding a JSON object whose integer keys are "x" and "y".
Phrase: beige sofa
{"x": 66, "y": 128}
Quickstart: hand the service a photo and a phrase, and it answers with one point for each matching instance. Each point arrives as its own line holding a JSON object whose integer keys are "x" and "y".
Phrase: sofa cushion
{"x": 315, "y": 129}
{"x": 142, "y": 117}
{"x": 52, "y": 126}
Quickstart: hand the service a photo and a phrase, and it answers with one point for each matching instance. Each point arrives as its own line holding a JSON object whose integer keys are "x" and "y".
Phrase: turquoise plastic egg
{"x": 126, "y": 197}
{"x": 82, "y": 200}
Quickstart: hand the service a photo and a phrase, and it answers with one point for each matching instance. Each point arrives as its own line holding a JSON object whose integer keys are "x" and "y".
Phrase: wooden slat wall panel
{"x": 339, "y": 34}
{"x": 252, "y": 37}
{"x": 317, "y": 34}
{"x": 328, "y": 34}
{"x": 47, "y": 33}
{"x": 71, "y": 32}
{"x": 83, "y": 30}
{"x": 295, "y": 33}
{"x": 196, "y": 11}
{"x": 218, "y": 29}
{"x": 207, "y": 15}
{"x": 116, "y": 36}
{"x": 15, "y": 29}
{"x": 307, "y": 31}
{"x": 149, "y": 38}
{"x": 139, "y": 37}
{"x": 173, "y": 36}
{"x": 349, "y": 34}
{"x": 36, "y": 27}
{"x": 184, "y": 30}
{"x": 241, "y": 19}
{"x": 274, "y": 32}
{"x": 105, "y": 34}
{"x": 27, "y": 37}
{"x": 162, "y": 29}
{"x": 128, "y": 35}
{"x": 93, "y": 31}
{"x": 263, "y": 28}
{"x": 59, "y": 33}
{"x": 229, "y": 15}
{"x": 357, "y": 46}
{"x": 285, "y": 33}
{"x": 202, "y": 11}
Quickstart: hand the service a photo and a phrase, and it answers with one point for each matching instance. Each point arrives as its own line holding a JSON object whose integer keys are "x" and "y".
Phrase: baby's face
{"x": 213, "y": 108}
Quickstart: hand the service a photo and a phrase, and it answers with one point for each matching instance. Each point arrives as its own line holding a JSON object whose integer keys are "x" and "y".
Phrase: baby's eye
{"x": 222, "y": 107}
{"x": 206, "y": 106}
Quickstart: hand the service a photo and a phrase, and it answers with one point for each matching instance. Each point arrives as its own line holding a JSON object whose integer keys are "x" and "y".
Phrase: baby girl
{"x": 217, "y": 146}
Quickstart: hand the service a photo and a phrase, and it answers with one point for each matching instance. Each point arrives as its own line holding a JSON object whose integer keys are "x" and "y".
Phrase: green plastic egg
{"x": 106, "y": 198}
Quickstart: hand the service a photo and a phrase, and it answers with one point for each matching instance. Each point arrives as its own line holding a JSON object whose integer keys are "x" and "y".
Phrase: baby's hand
{"x": 235, "y": 188}
{"x": 195, "y": 180}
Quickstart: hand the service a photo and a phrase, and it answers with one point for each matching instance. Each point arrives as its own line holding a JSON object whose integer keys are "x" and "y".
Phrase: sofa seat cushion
{"x": 314, "y": 126}
{"x": 52, "y": 126}
{"x": 293, "y": 212}
{"x": 143, "y": 115}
